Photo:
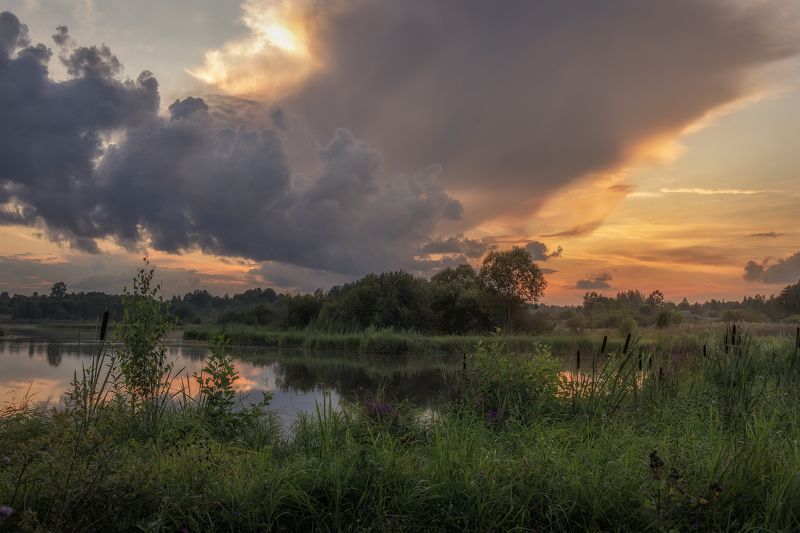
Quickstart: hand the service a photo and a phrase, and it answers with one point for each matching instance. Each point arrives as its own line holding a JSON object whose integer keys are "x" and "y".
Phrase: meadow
{"x": 641, "y": 442}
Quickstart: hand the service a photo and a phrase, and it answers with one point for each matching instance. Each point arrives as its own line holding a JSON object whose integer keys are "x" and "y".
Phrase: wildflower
{"x": 655, "y": 465}
{"x": 493, "y": 415}
{"x": 6, "y": 512}
{"x": 378, "y": 409}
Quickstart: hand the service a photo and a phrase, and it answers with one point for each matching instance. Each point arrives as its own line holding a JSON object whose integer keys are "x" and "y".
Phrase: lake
{"x": 41, "y": 363}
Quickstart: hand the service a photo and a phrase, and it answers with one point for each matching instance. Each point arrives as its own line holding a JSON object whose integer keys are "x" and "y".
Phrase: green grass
{"x": 695, "y": 444}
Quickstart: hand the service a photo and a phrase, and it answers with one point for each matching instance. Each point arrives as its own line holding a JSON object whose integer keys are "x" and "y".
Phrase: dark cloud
{"x": 61, "y": 37}
{"x": 187, "y": 107}
{"x": 471, "y": 248}
{"x": 768, "y": 234}
{"x": 578, "y": 231}
{"x": 783, "y": 271}
{"x": 290, "y": 278}
{"x": 526, "y": 97}
{"x": 192, "y": 181}
{"x": 540, "y": 252}
{"x": 599, "y": 281}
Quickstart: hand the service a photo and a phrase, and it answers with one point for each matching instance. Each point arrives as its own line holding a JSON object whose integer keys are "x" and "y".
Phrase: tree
{"x": 513, "y": 277}
{"x": 789, "y": 298}
{"x": 655, "y": 299}
{"x": 58, "y": 290}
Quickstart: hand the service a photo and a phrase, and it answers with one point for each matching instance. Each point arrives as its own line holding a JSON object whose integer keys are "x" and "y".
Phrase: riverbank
{"x": 564, "y": 344}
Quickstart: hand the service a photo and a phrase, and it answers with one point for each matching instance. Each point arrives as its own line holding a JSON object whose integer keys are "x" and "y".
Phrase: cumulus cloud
{"x": 470, "y": 248}
{"x": 540, "y": 252}
{"x": 528, "y": 96}
{"x": 90, "y": 158}
{"x": 599, "y": 281}
{"x": 782, "y": 271}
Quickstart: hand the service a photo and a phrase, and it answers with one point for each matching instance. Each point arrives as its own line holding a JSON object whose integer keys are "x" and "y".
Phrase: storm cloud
{"x": 529, "y": 96}
{"x": 599, "y": 281}
{"x": 540, "y": 252}
{"x": 782, "y": 271}
{"x": 90, "y": 158}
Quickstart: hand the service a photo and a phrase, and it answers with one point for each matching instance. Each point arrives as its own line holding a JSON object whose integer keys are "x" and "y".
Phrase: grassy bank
{"x": 398, "y": 343}
{"x": 696, "y": 444}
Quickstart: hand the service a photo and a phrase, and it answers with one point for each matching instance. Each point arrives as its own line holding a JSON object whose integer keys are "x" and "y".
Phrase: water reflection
{"x": 41, "y": 364}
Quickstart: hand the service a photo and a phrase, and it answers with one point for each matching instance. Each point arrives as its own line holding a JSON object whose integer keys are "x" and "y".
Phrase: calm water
{"x": 41, "y": 363}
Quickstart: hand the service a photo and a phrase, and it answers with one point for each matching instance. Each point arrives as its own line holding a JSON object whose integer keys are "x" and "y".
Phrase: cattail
{"x": 464, "y": 363}
{"x": 578, "y": 361}
{"x": 705, "y": 354}
{"x": 661, "y": 373}
{"x": 603, "y": 347}
{"x": 797, "y": 338}
{"x": 640, "y": 360}
{"x": 104, "y": 326}
{"x": 627, "y": 342}
{"x": 733, "y": 335}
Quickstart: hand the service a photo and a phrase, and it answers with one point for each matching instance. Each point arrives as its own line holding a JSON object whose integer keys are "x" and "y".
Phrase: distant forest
{"x": 454, "y": 301}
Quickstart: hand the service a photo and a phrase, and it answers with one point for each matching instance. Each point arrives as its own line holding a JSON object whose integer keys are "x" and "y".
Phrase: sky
{"x": 304, "y": 143}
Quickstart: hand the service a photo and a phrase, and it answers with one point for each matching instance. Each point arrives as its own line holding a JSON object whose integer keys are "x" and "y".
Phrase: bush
{"x": 668, "y": 317}
{"x": 504, "y": 385}
{"x": 145, "y": 322}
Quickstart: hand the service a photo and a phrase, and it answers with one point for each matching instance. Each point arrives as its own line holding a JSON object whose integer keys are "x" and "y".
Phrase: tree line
{"x": 503, "y": 292}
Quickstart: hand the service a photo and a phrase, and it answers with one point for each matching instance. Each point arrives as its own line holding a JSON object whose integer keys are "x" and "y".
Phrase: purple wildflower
{"x": 378, "y": 409}
{"x": 6, "y": 512}
{"x": 493, "y": 415}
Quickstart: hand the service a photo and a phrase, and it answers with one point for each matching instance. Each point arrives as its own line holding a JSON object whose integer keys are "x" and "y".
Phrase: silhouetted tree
{"x": 58, "y": 290}
{"x": 514, "y": 277}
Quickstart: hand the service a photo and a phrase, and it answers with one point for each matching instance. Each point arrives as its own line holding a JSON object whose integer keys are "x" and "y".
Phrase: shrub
{"x": 668, "y": 317}
{"x": 145, "y": 322}
{"x": 502, "y": 384}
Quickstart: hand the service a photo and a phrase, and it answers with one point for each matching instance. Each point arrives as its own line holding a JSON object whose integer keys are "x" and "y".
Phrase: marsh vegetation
{"x": 636, "y": 440}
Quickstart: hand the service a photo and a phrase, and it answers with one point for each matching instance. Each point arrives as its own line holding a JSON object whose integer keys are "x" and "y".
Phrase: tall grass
{"x": 389, "y": 342}
{"x": 674, "y": 444}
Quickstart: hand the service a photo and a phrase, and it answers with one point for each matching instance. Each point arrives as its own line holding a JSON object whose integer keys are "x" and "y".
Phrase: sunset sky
{"x": 303, "y": 143}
